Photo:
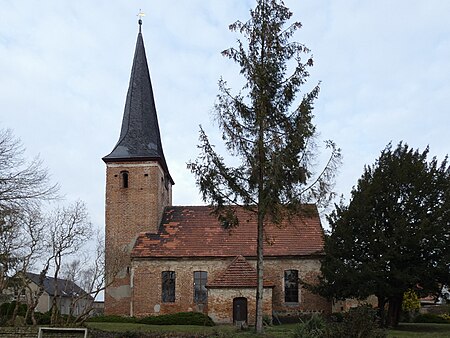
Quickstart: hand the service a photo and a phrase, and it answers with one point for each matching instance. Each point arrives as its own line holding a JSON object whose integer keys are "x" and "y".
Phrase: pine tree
{"x": 268, "y": 129}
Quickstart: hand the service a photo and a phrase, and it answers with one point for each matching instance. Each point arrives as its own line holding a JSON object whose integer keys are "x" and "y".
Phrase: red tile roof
{"x": 238, "y": 274}
{"x": 193, "y": 231}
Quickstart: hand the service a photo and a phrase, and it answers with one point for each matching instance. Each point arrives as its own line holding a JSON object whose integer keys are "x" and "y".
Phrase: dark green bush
{"x": 113, "y": 319}
{"x": 181, "y": 318}
{"x": 337, "y": 317}
{"x": 140, "y": 334}
{"x": 358, "y": 322}
{"x": 42, "y": 318}
{"x": 430, "y": 318}
{"x": 7, "y": 311}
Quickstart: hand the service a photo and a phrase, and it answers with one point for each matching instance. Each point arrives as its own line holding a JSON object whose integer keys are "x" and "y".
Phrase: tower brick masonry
{"x": 130, "y": 209}
{"x": 138, "y": 184}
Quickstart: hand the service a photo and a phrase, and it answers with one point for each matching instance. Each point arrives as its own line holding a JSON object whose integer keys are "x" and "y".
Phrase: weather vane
{"x": 140, "y": 15}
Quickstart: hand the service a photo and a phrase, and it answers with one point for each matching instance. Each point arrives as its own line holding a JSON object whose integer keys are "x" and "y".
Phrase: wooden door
{"x": 240, "y": 310}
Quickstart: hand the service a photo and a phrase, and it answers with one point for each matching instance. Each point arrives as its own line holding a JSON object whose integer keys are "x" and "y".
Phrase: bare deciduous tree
{"x": 23, "y": 187}
{"x": 69, "y": 229}
{"x": 88, "y": 272}
{"x": 23, "y": 184}
{"x": 32, "y": 240}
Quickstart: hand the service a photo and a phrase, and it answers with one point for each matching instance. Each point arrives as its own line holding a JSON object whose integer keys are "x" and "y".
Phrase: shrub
{"x": 314, "y": 327}
{"x": 42, "y": 318}
{"x": 337, "y": 317}
{"x": 181, "y": 318}
{"x": 113, "y": 319}
{"x": 267, "y": 320}
{"x": 7, "y": 310}
{"x": 358, "y": 322}
{"x": 410, "y": 301}
{"x": 431, "y": 318}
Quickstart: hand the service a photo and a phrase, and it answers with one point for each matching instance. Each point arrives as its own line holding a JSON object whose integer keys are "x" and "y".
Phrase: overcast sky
{"x": 65, "y": 66}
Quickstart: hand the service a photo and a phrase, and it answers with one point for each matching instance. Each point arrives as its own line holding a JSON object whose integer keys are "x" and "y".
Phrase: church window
{"x": 168, "y": 286}
{"x": 124, "y": 179}
{"x": 291, "y": 286}
{"x": 200, "y": 292}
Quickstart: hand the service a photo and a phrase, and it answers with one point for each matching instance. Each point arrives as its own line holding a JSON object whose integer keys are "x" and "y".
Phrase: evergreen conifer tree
{"x": 394, "y": 235}
{"x": 268, "y": 129}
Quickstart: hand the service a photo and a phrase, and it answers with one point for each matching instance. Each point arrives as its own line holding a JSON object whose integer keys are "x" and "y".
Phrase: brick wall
{"x": 146, "y": 291}
{"x": 129, "y": 211}
{"x": 308, "y": 270}
{"x": 147, "y": 284}
{"x": 347, "y": 304}
{"x": 221, "y": 304}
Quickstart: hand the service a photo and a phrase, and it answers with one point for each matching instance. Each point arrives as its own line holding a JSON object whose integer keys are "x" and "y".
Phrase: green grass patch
{"x": 416, "y": 330}
{"x": 279, "y": 331}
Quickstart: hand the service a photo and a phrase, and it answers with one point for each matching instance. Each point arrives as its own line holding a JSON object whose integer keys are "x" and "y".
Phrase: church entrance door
{"x": 240, "y": 311}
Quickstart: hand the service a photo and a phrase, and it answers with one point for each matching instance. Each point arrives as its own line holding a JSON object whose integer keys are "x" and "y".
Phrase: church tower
{"x": 138, "y": 183}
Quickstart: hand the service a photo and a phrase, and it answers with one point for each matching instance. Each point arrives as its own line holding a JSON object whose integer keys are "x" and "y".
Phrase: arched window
{"x": 291, "y": 286}
{"x": 124, "y": 179}
{"x": 168, "y": 286}
{"x": 200, "y": 292}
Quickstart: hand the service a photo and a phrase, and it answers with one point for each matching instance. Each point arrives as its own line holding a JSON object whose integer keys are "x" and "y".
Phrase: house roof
{"x": 238, "y": 274}
{"x": 140, "y": 137}
{"x": 65, "y": 288}
{"x": 194, "y": 231}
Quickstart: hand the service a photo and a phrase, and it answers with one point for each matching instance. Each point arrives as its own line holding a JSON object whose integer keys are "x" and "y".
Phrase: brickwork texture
{"x": 129, "y": 211}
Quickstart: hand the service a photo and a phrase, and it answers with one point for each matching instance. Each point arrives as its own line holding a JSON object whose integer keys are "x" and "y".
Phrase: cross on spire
{"x": 140, "y": 15}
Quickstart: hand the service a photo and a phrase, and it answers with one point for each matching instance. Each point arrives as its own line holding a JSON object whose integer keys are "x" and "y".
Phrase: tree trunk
{"x": 34, "y": 297}
{"x": 55, "y": 310}
{"x": 32, "y": 304}
{"x": 16, "y": 308}
{"x": 260, "y": 274}
{"x": 381, "y": 310}
{"x": 395, "y": 307}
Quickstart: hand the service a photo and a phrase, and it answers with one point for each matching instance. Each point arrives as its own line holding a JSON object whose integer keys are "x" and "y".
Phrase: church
{"x": 180, "y": 258}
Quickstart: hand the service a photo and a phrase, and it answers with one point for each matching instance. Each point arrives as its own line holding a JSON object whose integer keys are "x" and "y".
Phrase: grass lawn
{"x": 278, "y": 331}
{"x": 420, "y": 330}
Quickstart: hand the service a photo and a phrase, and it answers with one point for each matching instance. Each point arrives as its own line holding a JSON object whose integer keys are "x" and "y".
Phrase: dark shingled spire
{"x": 139, "y": 139}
